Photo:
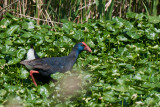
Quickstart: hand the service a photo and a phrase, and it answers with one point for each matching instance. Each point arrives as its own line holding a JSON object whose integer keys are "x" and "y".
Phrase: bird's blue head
{"x": 81, "y": 46}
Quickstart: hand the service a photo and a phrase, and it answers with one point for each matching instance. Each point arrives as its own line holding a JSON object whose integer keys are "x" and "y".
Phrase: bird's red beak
{"x": 86, "y": 48}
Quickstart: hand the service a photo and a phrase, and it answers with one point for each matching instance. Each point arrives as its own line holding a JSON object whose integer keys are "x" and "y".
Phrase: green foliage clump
{"x": 123, "y": 69}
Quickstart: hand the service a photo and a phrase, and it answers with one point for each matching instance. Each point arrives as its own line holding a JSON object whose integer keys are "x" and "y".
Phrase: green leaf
{"x": 3, "y": 92}
{"x": 28, "y": 26}
{"x": 151, "y": 35}
{"x": 24, "y": 73}
{"x": 20, "y": 41}
{"x": 137, "y": 77}
{"x": 2, "y": 61}
{"x": 48, "y": 39}
{"x": 13, "y": 61}
{"x": 122, "y": 38}
{"x": 27, "y": 35}
{"x": 3, "y": 35}
{"x": 12, "y": 29}
{"x": 43, "y": 91}
{"x": 20, "y": 53}
{"x": 57, "y": 76}
{"x": 5, "y": 22}
{"x": 133, "y": 35}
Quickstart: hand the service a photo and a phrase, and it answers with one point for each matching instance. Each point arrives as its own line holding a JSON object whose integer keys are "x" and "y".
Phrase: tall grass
{"x": 79, "y": 11}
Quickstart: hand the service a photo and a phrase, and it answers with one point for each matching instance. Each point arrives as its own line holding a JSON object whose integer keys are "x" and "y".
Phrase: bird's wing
{"x": 46, "y": 64}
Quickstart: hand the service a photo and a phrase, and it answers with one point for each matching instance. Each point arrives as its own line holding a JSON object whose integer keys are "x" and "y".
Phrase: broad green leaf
{"x": 28, "y": 26}
{"x": 43, "y": 91}
{"x": 27, "y": 35}
{"x": 13, "y": 61}
{"x": 12, "y": 29}
{"x": 122, "y": 38}
{"x": 133, "y": 35}
{"x": 24, "y": 73}
{"x": 4, "y": 23}
{"x": 20, "y": 53}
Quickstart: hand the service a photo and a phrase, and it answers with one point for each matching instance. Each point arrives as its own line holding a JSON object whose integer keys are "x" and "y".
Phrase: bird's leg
{"x": 31, "y": 74}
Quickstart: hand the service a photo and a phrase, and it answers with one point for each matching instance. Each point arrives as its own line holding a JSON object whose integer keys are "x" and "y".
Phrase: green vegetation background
{"x": 123, "y": 69}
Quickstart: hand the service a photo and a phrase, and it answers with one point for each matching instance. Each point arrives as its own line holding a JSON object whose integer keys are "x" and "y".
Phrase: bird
{"x": 42, "y": 68}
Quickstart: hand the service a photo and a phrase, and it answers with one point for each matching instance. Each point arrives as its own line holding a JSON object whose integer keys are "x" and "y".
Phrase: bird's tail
{"x": 31, "y": 54}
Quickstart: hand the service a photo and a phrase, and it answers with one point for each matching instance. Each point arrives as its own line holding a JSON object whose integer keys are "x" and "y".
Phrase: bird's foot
{"x": 31, "y": 74}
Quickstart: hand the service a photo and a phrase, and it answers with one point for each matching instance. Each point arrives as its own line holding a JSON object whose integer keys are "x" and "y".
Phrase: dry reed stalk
{"x": 89, "y": 14}
{"x": 81, "y": 10}
{"x": 108, "y": 4}
{"x": 49, "y": 17}
{"x": 39, "y": 19}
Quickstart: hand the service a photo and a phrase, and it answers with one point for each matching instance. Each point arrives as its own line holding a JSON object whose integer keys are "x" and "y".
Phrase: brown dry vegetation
{"x": 52, "y": 11}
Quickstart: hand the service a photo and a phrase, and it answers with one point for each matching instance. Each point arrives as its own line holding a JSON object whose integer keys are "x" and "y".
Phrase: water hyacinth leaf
{"x": 119, "y": 22}
{"x": 44, "y": 30}
{"x": 112, "y": 40}
{"x": 133, "y": 35}
{"x": 130, "y": 67}
{"x": 121, "y": 88}
{"x": 130, "y": 15}
{"x": 77, "y": 36}
{"x": 154, "y": 19}
{"x": 109, "y": 96}
{"x": 39, "y": 41}
{"x": 137, "y": 77}
{"x": 142, "y": 61}
{"x": 157, "y": 30}
{"x": 20, "y": 53}
{"x": 27, "y": 35}
{"x": 24, "y": 73}
{"x": 43, "y": 91}
{"x": 50, "y": 33}
{"x": 122, "y": 38}
{"x": 128, "y": 26}
{"x": 13, "y": 61}
{"x": 91, "y": 44}
{"x": 12, "y": 29}
{"x": 28, "y": 26}
{"x": 20, "y": 41}
{"x": 151, "y": 35}
{"x": 122, "y": 50}
{"x": 149, "y": 101}
{"x": 48, "y": 39}
{"x": 121, "y": 81}
{"x": 5, "y": 22}
{"x": 63, "y": 42}
{"x": 3, "y": 92}
{"x": 41, "y": 54}
{"x": 110, "y": 28}
{"x": 3, "y": 35}
{"x": 149, "y": 85}
{"x": 10, "y": 88}
{"x": 8, "y": 42}
{"x": 98, "y": 84}
{"x": 57, "y": 76}
{"x": 139, "y": 16}
{"x": 8, "y": 50}
{"x": 2, "y": 61}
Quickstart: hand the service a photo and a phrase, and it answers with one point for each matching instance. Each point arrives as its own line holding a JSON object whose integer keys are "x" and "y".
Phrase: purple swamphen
{"x": 42, "y": 68}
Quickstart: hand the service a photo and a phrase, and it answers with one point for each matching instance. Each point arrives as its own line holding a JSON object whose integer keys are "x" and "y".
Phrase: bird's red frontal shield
{"x": 86, "y": 48}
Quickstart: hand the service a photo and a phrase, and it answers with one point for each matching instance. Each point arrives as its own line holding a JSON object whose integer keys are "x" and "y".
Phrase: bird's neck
{"x": 75, "y": 53}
